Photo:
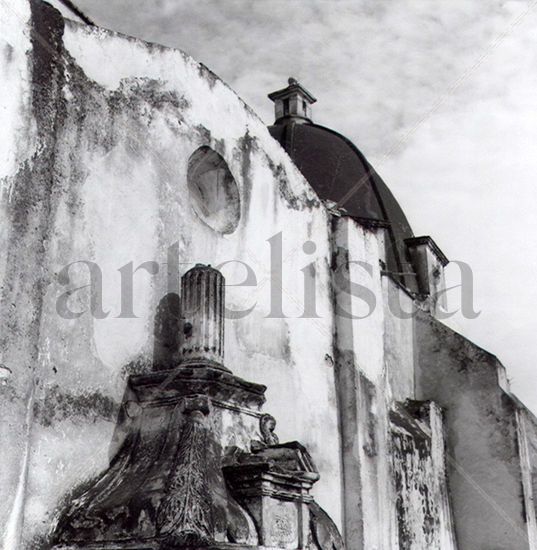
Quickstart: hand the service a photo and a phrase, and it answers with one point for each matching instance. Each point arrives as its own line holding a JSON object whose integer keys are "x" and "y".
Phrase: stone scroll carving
{"x": 185, "y": 515}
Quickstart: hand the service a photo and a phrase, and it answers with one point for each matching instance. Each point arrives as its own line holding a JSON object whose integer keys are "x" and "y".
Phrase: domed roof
{"x": 339, "y": 172}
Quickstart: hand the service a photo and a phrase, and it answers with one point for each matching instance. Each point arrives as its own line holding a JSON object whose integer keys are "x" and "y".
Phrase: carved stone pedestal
{"x": 279, "y": 503}
{"x": 166, "y": 488}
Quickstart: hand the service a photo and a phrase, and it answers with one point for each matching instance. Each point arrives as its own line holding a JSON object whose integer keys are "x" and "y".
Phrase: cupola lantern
{"x": 293, "y": 102}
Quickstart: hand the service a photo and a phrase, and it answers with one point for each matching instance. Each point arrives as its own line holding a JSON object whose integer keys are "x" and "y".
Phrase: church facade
{"x": 216, "y": 334}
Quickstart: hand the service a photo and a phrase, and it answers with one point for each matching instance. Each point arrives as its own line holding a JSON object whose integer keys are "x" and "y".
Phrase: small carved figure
{"x": 267, "y": 425}
{"x": 286, "y": 457}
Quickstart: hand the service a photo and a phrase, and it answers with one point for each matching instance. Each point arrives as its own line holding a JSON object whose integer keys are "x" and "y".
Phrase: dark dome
{"x": 339, "y": 172}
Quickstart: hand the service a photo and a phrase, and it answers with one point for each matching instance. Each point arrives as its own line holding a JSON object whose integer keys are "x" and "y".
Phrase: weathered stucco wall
{"x": 423, "y": 515}
{"x": 22, "y": 221}
{"x": 399, "y": 311}
{"x": 357, "y": 282}
{"x": 106, "y": 183}
{"x": 358, "y": 353}
{"x": 374, "y": 365}
{"x": 483, "y": 456}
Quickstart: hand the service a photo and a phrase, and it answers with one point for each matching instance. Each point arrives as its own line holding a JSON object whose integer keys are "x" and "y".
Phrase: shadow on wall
{"x": 166, "y": 331}
{"x": 165, "y": 356}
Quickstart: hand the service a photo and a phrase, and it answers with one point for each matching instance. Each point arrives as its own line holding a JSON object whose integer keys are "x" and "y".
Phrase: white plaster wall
{"x": 365, "y": 306}
{"x": 381, "y": 344}
{"x": 15, "y": 90}
{"x": 17, "y": 139}
{"x": 399, "y": 340}
{"x": 134, "y": 114}
{"x": 368, "y": 332}
{"x": 17, "y": 145}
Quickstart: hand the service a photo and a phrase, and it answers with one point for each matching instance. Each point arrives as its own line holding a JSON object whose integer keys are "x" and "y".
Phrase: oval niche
{"x": 214, "y": 194}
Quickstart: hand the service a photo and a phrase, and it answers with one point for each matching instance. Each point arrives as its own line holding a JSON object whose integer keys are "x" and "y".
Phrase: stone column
{"x": 202, "y": 298}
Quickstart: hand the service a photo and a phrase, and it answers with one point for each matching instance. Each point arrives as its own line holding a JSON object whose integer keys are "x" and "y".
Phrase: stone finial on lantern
{"x": 203, "y": 300}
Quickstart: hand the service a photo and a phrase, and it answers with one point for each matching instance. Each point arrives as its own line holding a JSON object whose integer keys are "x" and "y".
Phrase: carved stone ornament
{"x": 185, "y": 515}
{"x": 267, "y": 425}
{"x": 165, "y": 488}
{"x": 171, "y": 486}
{"x": 273, "y": 482}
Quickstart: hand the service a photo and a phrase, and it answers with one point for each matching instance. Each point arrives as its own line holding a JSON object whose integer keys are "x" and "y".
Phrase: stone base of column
{"x": 165, "y": 488}
{"x": 196, "y": 363}
{"x": 196, "y": 469}
{"x": 277, "y": 501}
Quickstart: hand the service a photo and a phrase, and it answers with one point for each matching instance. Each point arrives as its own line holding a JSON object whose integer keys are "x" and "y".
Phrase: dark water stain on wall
{"x": 8, "y": 53}
{"x": 303, "y": 201}
{"x": 57, "y": 405}
{"x": 417, "y": 505}
{"x": 367, "y": 403}
{"x": 246, "y": 145}
{"x": 167, "y": 329}
{"x": 31, "y": 203}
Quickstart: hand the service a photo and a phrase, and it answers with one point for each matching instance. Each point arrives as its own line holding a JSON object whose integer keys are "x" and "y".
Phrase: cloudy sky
{"x": 440, "y": 95}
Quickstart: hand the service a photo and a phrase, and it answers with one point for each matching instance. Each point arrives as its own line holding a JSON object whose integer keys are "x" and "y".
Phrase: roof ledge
{"x": 429, "y": 242}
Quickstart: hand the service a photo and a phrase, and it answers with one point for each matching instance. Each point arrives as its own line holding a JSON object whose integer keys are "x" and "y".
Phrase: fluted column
{"x": 202, "y": 297}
